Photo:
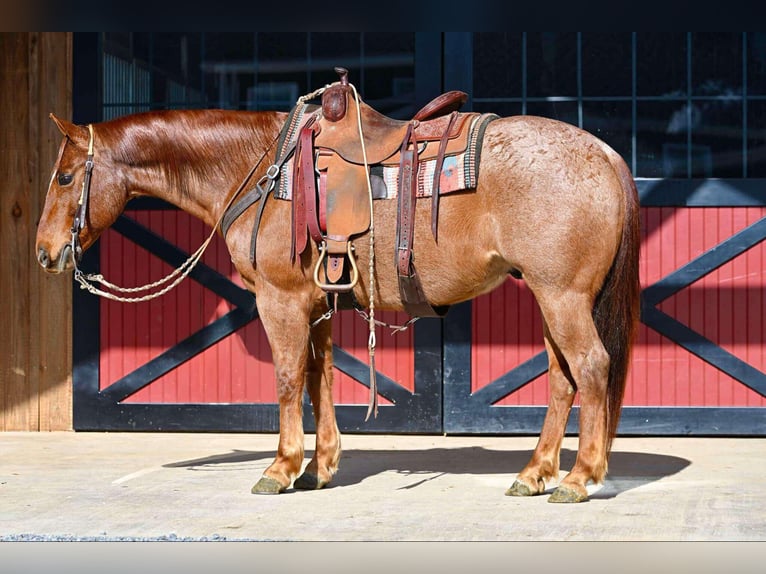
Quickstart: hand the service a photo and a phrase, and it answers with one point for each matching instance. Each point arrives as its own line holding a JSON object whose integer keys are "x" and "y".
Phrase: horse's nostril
{"x": 43, "y": 257}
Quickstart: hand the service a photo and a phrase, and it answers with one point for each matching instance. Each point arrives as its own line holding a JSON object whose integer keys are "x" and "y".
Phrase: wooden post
{"x": 35, "y": 348}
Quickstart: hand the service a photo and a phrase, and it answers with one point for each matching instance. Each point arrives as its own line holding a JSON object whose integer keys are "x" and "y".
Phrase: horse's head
{"x": 79, "y": 205}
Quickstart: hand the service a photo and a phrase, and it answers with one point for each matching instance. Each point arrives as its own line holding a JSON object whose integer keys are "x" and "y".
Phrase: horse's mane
{"x": 188, "y": 147}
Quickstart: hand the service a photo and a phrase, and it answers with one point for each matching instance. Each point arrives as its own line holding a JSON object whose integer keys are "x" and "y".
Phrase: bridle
{"x": 88, "y": 281}
{"x": 82, "y": 205}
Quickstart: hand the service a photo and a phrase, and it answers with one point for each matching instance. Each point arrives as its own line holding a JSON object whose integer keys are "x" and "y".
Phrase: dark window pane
{"x": 230, "y": 46}
{"x": 286, "y": 48}
{"x": 337, "y": 49}
{"x": 385, "y": 44}
{"x": 717, "y": 139}
{"x": 228, "y": 67}
{"x": 279, "y": 66}
{"x": 716, "y": 63}
{"x": 551, "y": 64}
{"x": 194, "y": 56}
{"x": 389, "y": 80}
{"x": 661, "y": 64}
{"x": 611, "y": 122}
{"x": 756, "y": 63}
{"x": 563, "y": 111}
{"x": 756, "y": 142}
{"x": 497, "y": 65}
{"x": 167, "y": 54}
{"x": 142, "y": 45}
{"x": 661, "y": 133}
{"x": 121, "y": 44}
{"x": 606, "y": 64}
{"x": 503, "y": 109}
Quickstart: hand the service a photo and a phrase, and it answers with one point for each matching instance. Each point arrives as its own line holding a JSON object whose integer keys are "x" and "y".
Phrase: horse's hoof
{"x": 267, "y": 486}
{"x": 564, "y": 494}
{"x": 519, "y": 488}
{"x": 308, "y": 481}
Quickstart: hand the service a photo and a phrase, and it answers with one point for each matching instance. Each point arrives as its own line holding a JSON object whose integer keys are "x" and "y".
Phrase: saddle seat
{"x": 383, "y": 135}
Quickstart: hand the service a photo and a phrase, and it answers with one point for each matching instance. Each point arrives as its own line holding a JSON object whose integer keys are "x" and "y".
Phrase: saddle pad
{"x": 459, "y": 171}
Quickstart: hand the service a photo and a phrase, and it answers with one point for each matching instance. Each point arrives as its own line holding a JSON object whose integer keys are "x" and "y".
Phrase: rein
{"x": 88, "y": 281}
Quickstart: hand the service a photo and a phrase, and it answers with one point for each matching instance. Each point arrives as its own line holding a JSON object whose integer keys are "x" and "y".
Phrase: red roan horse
{"x": 553, "y": 205}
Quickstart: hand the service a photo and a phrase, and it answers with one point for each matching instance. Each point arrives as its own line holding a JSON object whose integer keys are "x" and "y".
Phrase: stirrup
{"x": 337, "y": 287}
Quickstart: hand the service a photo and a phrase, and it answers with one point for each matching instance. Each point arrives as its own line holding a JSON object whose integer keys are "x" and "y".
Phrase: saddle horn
{"x": 334, "y": 102}
{"x": 343, "y": 73}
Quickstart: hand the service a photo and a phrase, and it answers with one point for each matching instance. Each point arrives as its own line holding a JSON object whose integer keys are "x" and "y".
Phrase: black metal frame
{"x": 466, "y": 412}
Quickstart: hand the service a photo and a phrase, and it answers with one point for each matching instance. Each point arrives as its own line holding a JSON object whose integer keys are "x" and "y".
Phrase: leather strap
{"x": 410, "y": 287}
{"x": 299, "y": 237}
{"x": 305, "y": 212}
{"x": 256, "y": 226}
{"x": 239, "y": 208}
{"x": 309, "y": 187}
{"x": 407, "y": 197}
{"x": 437, "y": 177}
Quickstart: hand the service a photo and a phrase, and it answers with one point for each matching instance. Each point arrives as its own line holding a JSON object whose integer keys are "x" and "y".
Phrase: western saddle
{"x": 332, "y": 184}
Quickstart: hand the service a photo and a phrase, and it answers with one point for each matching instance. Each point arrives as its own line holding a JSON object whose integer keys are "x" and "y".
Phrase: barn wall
{"x": 36, "y": 346}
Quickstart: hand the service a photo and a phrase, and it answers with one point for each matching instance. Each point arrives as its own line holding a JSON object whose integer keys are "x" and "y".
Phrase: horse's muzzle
{"x": 59, "y": 265}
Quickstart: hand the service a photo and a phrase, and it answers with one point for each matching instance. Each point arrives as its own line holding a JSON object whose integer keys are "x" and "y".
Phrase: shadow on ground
{"x": 627, "y": 470}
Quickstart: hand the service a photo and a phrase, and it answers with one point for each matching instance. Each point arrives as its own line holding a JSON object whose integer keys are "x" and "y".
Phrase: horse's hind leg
{"x": 544, "y": 464}
{"x": 573, "y": 336}
{"x": 324, "y": 463}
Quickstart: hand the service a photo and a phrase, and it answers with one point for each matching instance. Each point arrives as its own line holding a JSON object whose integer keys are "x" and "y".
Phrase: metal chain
{"x": 394, "y": 328}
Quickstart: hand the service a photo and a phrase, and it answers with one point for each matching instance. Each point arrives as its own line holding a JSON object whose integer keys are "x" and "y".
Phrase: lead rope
{"x": 372, "y": 405}
{"x": 88, "y": 281}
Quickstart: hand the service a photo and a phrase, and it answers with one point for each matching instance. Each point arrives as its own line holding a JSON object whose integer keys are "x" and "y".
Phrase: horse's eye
{"x": 65, "y": 178}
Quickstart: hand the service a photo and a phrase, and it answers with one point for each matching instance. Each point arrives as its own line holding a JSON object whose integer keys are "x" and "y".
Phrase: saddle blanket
{"x": 459, "y": 172}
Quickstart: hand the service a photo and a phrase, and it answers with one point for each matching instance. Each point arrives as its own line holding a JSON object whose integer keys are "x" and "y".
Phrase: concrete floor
{"x": 152, "y": 486}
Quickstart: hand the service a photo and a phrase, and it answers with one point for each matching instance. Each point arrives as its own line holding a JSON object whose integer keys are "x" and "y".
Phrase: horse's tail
{"x": 617, "y": 309}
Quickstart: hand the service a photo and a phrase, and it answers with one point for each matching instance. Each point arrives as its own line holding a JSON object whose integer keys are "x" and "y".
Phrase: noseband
{"x": 82, "y": 205}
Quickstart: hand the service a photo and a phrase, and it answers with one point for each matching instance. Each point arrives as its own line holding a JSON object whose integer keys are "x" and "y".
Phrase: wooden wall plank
{"x": 54, "y": 293}
{"x": 19, "y": 400}
{"x": 35, "y": 351}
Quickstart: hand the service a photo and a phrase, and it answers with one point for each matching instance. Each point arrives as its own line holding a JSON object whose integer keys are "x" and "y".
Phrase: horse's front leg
{"x": 324, "y": 463}
{"x": 286, "y": 323}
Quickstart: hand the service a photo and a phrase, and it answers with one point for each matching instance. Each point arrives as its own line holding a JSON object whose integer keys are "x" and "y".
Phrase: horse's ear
{"x": 78, "y": 134}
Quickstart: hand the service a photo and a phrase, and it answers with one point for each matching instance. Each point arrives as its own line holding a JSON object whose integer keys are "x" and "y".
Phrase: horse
{"x": 553, "y": 206}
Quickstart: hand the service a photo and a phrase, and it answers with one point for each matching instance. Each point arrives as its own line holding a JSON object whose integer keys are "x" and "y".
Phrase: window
{"x": 673, "y": 104}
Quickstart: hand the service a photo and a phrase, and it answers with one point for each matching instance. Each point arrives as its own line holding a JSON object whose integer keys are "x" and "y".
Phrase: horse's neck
{"x": 200, "y": 173}
{"x": 199, "y": 200}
